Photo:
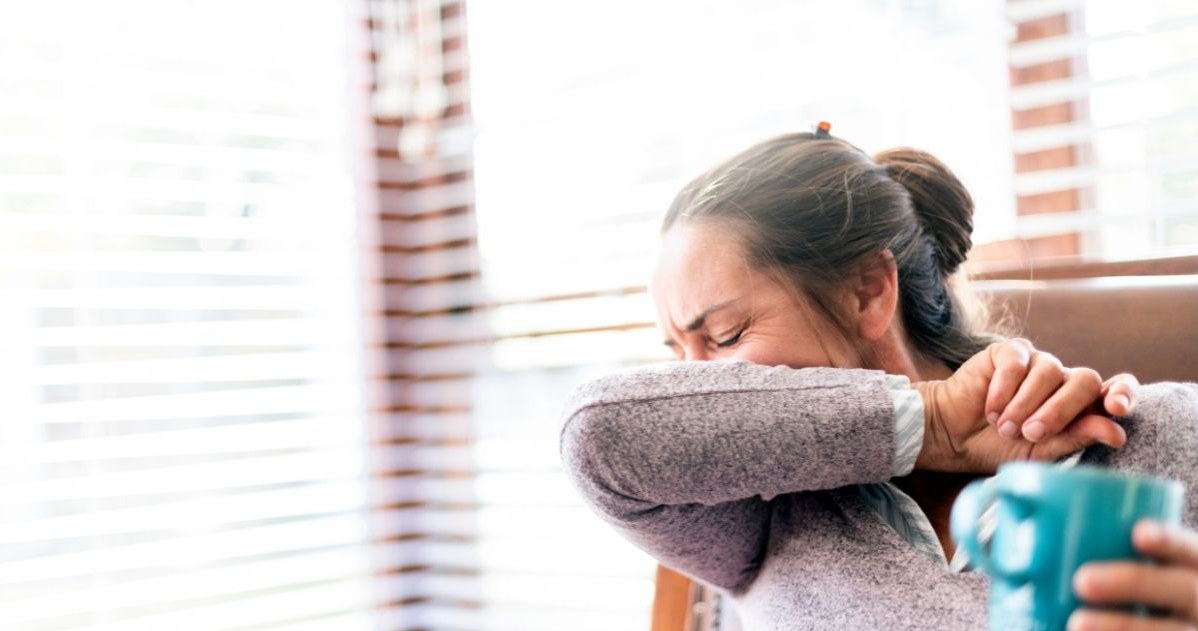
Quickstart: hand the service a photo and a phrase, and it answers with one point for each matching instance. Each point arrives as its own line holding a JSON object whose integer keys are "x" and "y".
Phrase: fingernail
{"x": 1077, "y": 622}
{"x": 992, "y": 417}
{"x": 1123, "y": 400}
{"x": 1151, "y": 531}
{"x": 1008, "y": 429}
{"x": 1086, "y": 580}
{"x": 1033, "y": 430}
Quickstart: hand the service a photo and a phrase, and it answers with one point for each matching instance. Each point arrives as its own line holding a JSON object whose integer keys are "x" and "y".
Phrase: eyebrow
{"x": 697, "y": 323}
{"x": 700, "y": 319}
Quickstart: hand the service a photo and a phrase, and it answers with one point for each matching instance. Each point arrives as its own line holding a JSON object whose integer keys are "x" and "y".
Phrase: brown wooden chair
{"x": 1145, "y": 324}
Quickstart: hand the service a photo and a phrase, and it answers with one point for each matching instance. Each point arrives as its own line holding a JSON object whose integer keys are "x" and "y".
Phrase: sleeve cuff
{"x": 908, "y": 423}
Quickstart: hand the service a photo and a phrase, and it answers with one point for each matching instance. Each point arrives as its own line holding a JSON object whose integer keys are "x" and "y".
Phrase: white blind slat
{"x": 277, "y": 230}
{"x": 1066, "y": 90}
{"x": 520, "y": 618}
{"x": 317, "y": 399}
{"x": 1042, "y": 50}
{"x": 529, "y": 591}
{"x": 1024, "y": 10}
{"x": 241, "y": 332}
{"x": 265, "y": 298}
{"x": 243, "y": 473}
{"x": 192, "y": 549}
{"x": 277, "y": 263}
{"x": 269, "y": 607}
{"x": 223, "y": 582}
{"x": 239, "y": 367}
{"x": 241, "y": 438}
{"x": 1053, "y": 136}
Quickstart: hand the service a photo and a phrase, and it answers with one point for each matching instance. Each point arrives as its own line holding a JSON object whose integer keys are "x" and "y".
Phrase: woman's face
{"x": 712, "y": 305}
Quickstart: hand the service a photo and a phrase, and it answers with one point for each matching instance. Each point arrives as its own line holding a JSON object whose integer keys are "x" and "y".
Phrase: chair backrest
{"x": 1147, "y": 326}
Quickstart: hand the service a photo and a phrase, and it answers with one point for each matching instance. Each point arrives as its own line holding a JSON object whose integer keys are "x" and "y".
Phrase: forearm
{"x": 711, "y": 432}
{"x": 684, "y": 458}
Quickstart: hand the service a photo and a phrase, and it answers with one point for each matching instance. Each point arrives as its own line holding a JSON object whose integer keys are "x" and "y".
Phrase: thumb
{"x": 966, "y": 391}
{"x": 1081, "y": 433}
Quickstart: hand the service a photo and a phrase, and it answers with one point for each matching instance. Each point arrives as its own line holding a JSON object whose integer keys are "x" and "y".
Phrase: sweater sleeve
{"x": 684, "y": 458}
{"x": 1162, "y": 439}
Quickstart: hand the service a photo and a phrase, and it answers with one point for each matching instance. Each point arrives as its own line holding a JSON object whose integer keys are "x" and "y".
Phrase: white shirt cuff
{"x": 908, "y": 423}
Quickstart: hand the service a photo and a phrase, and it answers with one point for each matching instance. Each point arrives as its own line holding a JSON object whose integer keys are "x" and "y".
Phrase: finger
{"x": 1080, "y": 390}
{"x": 1087, "y": 430}
{"x": 1011, "y": 360}
{"x": 1119, "y": 394}
{"x": 1173, "y": 544}
{"x": 1090, "y": 620}
{"x": 1171, "y": 588}
{"x": 1092, "y": 429}
{"x": 1045, "y": 374}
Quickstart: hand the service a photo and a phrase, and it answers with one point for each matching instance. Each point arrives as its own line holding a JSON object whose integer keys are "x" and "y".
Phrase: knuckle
{"x": 1023, "y": 347}
{"x": 1017, "y": 346}
{"x": 1009, "y": 369}
{"x": 1054, "y": 418}
{"x": 1087, "y": 377}
{"x": 1049, "y": 365}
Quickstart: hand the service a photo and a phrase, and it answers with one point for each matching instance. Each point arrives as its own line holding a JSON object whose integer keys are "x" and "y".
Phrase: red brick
{"x": 1039, "y": 28}
{"x": 1055, "y": 114}
{"x": 1048, "y": 71}
{"x": 1055, "y": 158}
{"x": 1054, "y": 202}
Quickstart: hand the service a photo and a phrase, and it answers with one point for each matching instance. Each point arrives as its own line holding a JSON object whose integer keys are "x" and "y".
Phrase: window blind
{"x": 468, "y": 475}
{"x": 1106, "y": 120}
{"x": 183, "y": 434}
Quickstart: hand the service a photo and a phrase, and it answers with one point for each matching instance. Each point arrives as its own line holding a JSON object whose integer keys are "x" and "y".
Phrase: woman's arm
{"x": 684, "y": 457}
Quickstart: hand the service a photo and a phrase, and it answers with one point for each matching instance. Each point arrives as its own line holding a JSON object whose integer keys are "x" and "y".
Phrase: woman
{"x": 819, "y": 497}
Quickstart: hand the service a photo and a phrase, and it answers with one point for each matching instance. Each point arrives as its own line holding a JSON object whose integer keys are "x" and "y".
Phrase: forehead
{"x": 698, "y": 265}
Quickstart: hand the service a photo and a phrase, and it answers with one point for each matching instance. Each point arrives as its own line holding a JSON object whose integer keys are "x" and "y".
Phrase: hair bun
{"x": 940, "y": 200}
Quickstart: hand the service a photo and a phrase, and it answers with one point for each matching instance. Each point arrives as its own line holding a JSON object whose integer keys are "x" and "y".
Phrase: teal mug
{"x": 1049, "y": 521}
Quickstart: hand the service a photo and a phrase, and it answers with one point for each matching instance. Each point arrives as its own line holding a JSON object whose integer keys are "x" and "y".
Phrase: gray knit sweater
{"x": 743, "y": 476}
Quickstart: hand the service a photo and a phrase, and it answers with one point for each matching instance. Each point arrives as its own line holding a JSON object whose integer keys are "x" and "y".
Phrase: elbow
{"x": 590, "y": 432}
{"x": 596, "y": 455}
{"x": 586, "y": 444}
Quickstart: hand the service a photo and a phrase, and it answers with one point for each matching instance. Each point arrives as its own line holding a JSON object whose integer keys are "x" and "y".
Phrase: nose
{"x": 695, "y": 353}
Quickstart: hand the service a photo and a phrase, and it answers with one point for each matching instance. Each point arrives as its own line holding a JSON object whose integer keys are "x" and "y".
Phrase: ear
{"x": 875, "y": 295}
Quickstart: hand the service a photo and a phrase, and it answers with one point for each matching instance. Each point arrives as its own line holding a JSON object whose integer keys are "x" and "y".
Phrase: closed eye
{"x": 732, "y": 340}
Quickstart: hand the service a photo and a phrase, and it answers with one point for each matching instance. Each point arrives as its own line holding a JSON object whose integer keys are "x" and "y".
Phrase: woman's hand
{"x": 1171, "y": 587}
{"x": 1046, "y": 411}
{"x": 1026, "y": 379}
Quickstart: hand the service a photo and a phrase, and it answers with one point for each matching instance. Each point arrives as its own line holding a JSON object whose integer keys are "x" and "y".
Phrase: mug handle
{"x": 963, "y": 524}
